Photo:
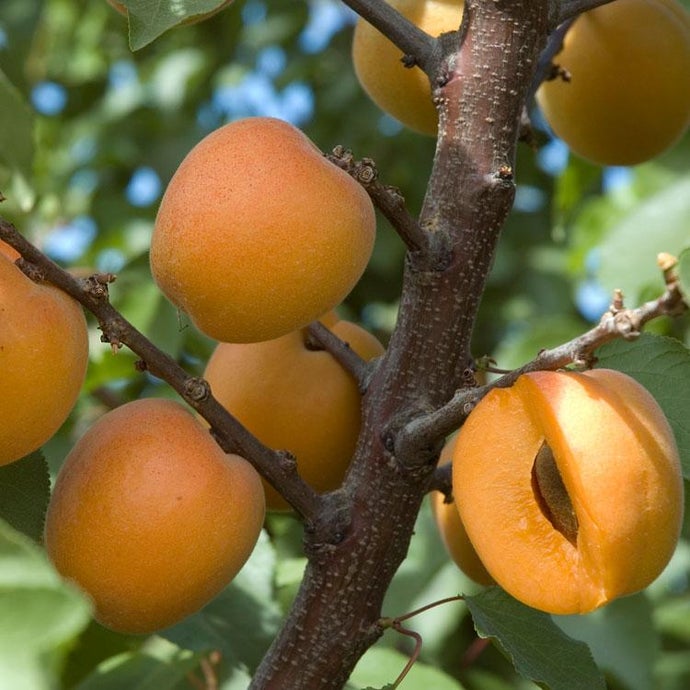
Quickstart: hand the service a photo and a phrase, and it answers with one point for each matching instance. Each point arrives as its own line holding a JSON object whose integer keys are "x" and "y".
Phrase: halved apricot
{"x": 570, "y": 488}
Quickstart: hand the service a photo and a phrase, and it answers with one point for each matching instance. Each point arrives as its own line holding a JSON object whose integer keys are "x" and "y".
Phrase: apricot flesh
{"x": 43, "y": 359}
{"x": 258, "y": 234}
{"x": 628, "y": 98}
{"x": 297, "y": 399}
{"x": 150, "y": 517}
{"x": 617, "y": 458}
{"x": 404, "y": 93}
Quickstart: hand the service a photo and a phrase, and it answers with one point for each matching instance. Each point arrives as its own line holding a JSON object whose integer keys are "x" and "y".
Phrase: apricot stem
{"x": 387, "y": 199}
{"x": 552, "y": 495}
{"x": 416, "y": 45}
{"x": 570, "y": 9}
{"x": 322, "y": 338}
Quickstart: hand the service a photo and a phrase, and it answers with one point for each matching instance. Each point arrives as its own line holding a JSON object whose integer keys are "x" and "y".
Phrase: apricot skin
{"x": 629, "y": 96}
{"x": 150, "y": 517}
{"x": 43, "y": 359}
{"x": 618, "y": 459}
{"x": 453, "y": 532}
{"x": 258, "y": 234}
{"x": 402, "y": 92}
{"x": 295, "y": 399}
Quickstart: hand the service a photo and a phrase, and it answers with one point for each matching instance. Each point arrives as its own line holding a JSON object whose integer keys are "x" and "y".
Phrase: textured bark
{"x": 363, "y": 536}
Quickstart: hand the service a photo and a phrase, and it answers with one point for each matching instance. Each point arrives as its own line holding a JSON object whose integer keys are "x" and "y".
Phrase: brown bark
{"x": 482, "y": 86}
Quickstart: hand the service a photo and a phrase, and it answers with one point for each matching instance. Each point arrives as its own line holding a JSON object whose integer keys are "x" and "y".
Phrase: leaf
{"x": 381, "y": 666}
{"x": 658, "y": 224}
{"x": 16, "y": 129}
{"x": 24, "y": 494}
{"x": 538, "y": 649}
{"x": 241, "y": 621}
{"x": 159, "y": 665}
{"x": 662, "y": 366}
{"x": 684, "y": 274}
{"x": 623, "y": 639}
{"x": 149, "y": 19}
{"x": 41, "y": 615}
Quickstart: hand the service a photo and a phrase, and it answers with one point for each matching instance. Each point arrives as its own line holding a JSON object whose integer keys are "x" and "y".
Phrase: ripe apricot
{"x": 400, "y": 91}
{"x": 43, "y": 358}
{"x": 150, "y": 517}
{"x": 258, "y": 234}
{"x": 569, "y": 485}
{"x": 297, "y": 399}
{"x": 191, "y": 20}
{"x": 453, "y": 532}
{"x": 628, "y": 98}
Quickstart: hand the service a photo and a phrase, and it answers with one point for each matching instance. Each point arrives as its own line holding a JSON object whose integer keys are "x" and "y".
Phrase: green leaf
{"x": 148, "y": 19}
{"x": 16, "y": 129}
{"x": 242, "y": 621}
{"x": 622, "y": 637}
{"x": 538, "y": 649}
{"x": 24, "y": 494}
{"x": 658, "y": 224}
{"x": 41, "y": 615}
{"x": 684, "y": 274}
{"x": 158, "y": 665}
{"x": 662, "y": 366}
{"x": 381, "y": 666}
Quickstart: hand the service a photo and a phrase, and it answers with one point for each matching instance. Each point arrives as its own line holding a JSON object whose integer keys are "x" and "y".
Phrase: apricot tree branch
{"x": 325, "y": 339}
{"x": 617, "y": 322}
{"x": 387, "y": 199}
{"x": 278, "y": 467}
{"x": 416, "y": 45}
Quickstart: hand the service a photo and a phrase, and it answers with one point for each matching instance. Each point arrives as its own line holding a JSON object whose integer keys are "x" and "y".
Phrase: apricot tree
{"x": 258, "y": 237}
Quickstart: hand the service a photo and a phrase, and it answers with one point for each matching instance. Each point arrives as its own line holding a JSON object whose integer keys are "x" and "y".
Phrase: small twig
{"x": 387, "y": 199}
{"x": 321, "y": 337}
{"x": 278, "y": 467}
{"x": 416, "y": 45}
{"x": 396, "y": 624}
{"x": 545, "y": 65}
{"x": 617, "y": 322}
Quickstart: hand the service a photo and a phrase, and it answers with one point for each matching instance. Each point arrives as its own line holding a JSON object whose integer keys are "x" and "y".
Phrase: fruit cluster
{"x": 622, "y": 91}
{"x": 257, "y": 235}
{"x": 568, "y": 490}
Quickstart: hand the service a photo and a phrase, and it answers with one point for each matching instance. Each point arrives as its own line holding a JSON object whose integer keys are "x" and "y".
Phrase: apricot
{"x": 297, "y": 399}
{"x": 453, "y": 532}
{"x": 404, "y": 93}
{"x": 258, "y": 234}
{"x": 150, "y": 517}
{"x": 628, "y": 98}
{"x": 569, "y": 485}
{"x": 190, "y": 20}
{"x": 43, "y": 359}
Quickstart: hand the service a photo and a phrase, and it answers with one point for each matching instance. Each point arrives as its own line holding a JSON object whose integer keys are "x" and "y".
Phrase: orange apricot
{"x": 570, "y": 488}
{"x": 628, "y": 97}
{"x": 43, "y": 358}
{"x": 404, "y": 93}
{"x": 453, "y": 532}
{"x": 297, "y": 399}
{"x": 258, "y": 234}
{"x": 150, "y": 517}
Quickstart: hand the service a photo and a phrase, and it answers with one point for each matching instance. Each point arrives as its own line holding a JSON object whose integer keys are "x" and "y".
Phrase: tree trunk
{"x": 362, "y": 537}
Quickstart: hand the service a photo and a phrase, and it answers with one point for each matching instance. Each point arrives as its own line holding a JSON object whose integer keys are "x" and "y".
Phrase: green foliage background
{"x": 570, "y": 229}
